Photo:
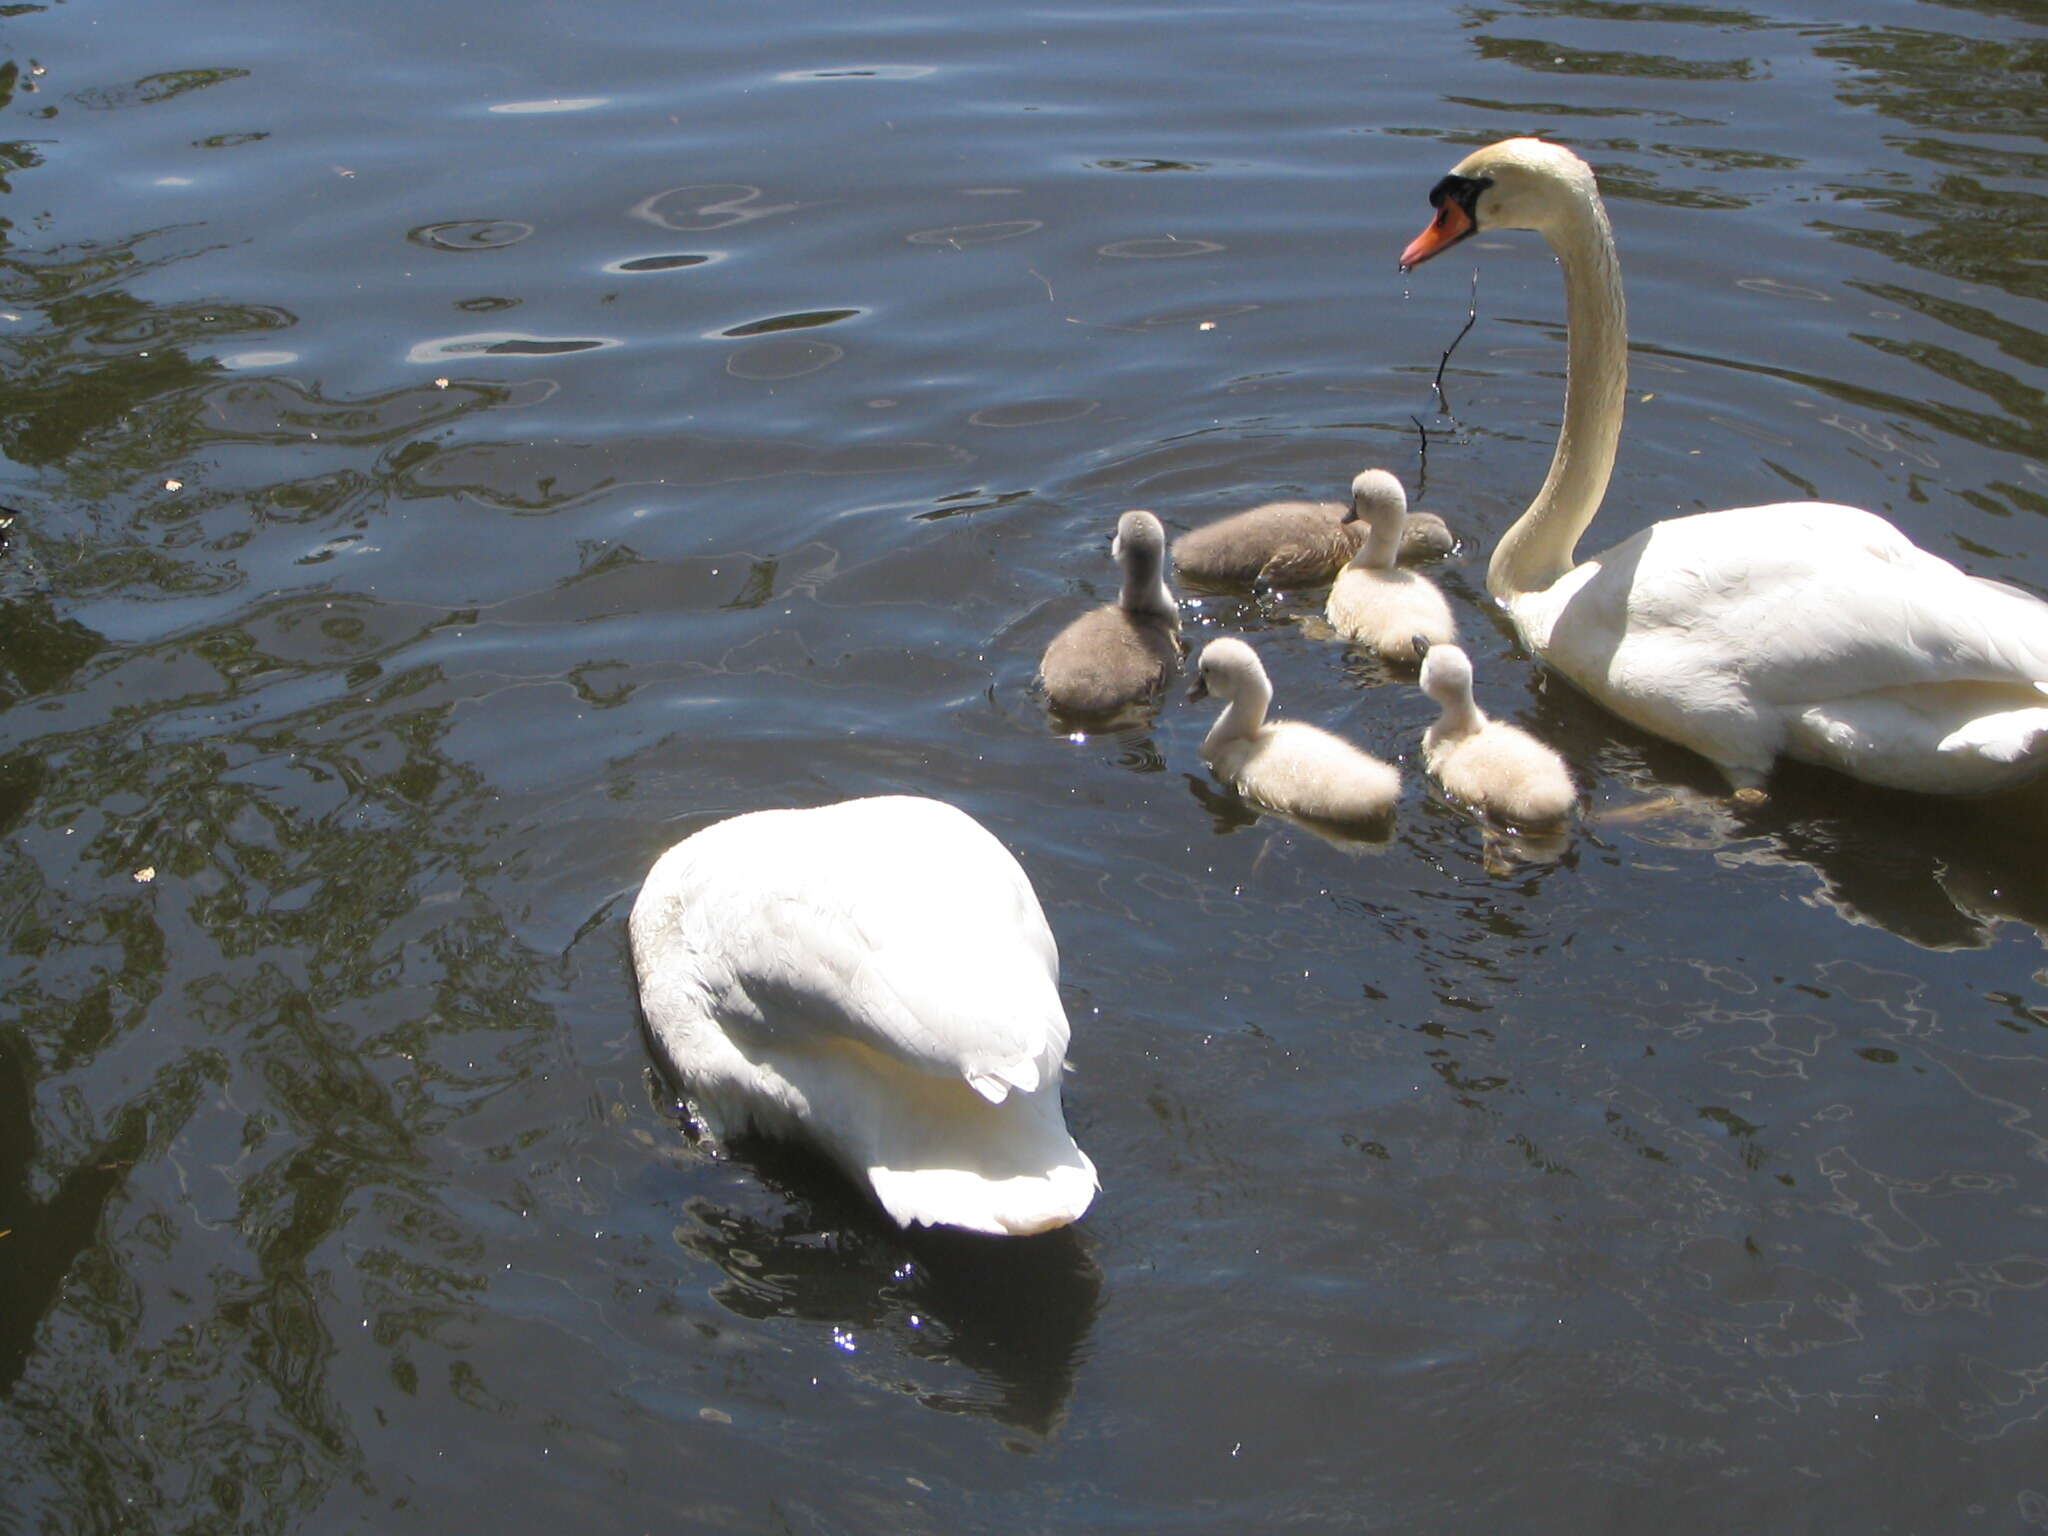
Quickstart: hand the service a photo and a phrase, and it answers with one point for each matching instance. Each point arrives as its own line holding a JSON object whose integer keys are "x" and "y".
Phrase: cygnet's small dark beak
{"x": 1198, "y": 689}
{"x": 1350, "y": 512}
{"x": 1421, "y": 644}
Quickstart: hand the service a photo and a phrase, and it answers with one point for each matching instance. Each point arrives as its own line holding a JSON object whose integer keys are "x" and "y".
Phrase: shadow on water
{"x": 1941, "y": 873}
{"x": 1229, "y": 812}
{"x": 42, "y": 1238}
{"x": 1015, "y": 1312}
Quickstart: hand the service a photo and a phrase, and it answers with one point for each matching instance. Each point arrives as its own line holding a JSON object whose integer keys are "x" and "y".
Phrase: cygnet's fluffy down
{"x": 1497, "y": 768}
{"x": 1284, "y": 764}
{"x": 877, "y": 978}
{"x": 1123, "y": 652}
{"x": 1287, "y": 544}
{"x": 1374, "y": 603}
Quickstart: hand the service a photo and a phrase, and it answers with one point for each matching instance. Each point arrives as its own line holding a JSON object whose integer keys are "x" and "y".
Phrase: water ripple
{"x": 670, "y": 263}
{"x": 976, "y": 234}
{"x": 706, "y": 207}
{"x": 504, "y": 344}
{"x": 1159, "y": 248}
{"x": 783, "y": 359}
{"x": 467, "y": 235}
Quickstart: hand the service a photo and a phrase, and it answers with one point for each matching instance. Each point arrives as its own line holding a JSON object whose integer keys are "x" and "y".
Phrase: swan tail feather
{"x": 1018, "y": 1206}
{"x": 1007, "y": 1169}
{"x": 2011, "y": 737}
{"x": 1024, "y": 1075}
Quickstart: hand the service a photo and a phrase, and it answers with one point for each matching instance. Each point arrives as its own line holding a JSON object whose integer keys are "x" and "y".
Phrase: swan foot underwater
{"x": 1672, "y": 803}
{"x": 1801, "y": 629}
{"x": 875, "y": 978}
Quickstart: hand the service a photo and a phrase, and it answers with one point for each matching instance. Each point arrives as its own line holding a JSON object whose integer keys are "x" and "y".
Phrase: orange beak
{"x": 1451, "y": 224}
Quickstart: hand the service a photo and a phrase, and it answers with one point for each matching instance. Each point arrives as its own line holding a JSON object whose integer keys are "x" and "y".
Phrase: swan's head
{"x": 1377, "y": 498}
{"x": 1140, "y": 539}
{"x": 1227, "y": 667}
{"x": 1447, "y": 675}
{"x": 1515, "y": 184}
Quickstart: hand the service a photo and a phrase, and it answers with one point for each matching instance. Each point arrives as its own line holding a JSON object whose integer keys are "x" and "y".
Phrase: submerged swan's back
{"x": 1801, "y": 629}
{"x": 1284, "y": 764}
{"x": 875, "y": 977}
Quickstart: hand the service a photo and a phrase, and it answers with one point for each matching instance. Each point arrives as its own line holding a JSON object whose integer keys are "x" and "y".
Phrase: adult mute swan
{"x": 1284, "y": 764}
{"x": 1801, "y": 629}
{"x": 1123, "y": 652}
{"x": 1497, "y": 768}
{"x": 1385, "y": 609}
{"x": 875, "y": 977}
{"x": 1294, "y": 544}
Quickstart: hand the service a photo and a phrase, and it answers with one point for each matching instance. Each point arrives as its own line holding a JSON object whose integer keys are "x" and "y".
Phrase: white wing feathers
{"x": 1812, "y": 601}
{"x": 929, "y": 973}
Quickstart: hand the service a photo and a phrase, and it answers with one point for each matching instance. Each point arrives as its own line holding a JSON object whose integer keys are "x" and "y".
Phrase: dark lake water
{"x": 459, "y": 450}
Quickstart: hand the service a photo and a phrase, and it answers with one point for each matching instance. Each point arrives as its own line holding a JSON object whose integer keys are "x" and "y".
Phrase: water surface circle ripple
{"x": 471, "y": 235}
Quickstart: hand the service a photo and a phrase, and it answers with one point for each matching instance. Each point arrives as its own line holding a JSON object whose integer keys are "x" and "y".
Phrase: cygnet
{"x": 1123, "y": 652}
{"x": 1373, "y": 602}
{"x": 1497, "y": 768}
{"x": 1289, "y": 544}
{"x": 1284, "y": 764}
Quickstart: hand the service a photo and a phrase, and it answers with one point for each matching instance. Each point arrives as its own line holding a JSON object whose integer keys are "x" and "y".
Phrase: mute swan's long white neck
{"x": 1538, "y": 549}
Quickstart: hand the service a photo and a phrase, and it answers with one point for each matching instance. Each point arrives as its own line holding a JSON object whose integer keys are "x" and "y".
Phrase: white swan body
{"x": 1122, "y": 653}
{"x": 1800, "y": 629}
{"x": 1497, "y": 768}
{"x": 1287, "y": 544}
{"x": 875, "y": 977}
{"x": 1373, "y": 602}
{"x": 1284, "y": 764}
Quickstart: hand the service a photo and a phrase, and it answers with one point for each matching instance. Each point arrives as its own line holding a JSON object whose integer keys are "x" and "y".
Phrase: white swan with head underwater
{"x": 877, "y": 978}
{"x": 1800, "y": 629}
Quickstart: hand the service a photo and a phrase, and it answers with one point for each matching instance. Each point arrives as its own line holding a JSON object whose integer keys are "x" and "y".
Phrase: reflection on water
{"x": 1943, "y": 874}
{"x": 49, "y": 1231}
{"x": 393, "y": 633}
{"x": 1013, "y": 1316}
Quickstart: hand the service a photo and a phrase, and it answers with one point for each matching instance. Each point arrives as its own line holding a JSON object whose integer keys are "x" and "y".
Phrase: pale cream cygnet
{"x": 1373, "y": 601}
{"x": 1284, "y": 764}
{"x": 1497, "y": 768}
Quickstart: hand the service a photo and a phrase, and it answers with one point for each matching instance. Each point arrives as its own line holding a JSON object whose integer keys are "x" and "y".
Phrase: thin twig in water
{"x": 1471, "y": 319}
{"x": 1421, "y": 457}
